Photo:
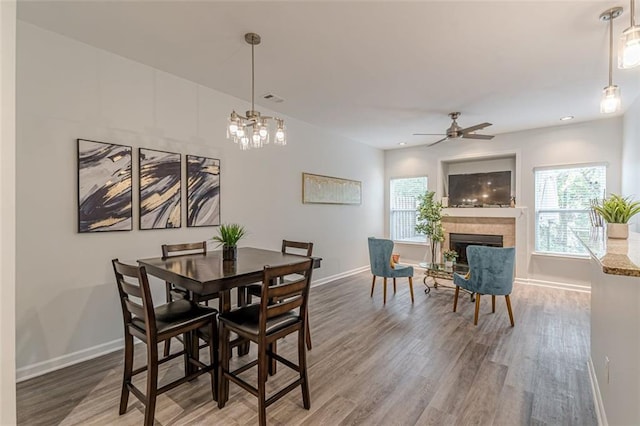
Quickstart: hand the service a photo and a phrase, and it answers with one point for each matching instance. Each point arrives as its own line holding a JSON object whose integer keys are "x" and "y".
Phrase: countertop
{"x": 617, "y": 257}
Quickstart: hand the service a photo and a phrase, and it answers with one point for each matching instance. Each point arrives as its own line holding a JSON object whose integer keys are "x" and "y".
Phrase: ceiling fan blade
{"x": 437, "y": 142}
{"x": 474, "y": 136}
{"x": 476, "y": 127}
{"x": 428, "y": 134}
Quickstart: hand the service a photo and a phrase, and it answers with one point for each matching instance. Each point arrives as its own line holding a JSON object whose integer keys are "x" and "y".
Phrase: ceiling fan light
{"x": 629, "y": 48}
{"x": 610, "y": 101}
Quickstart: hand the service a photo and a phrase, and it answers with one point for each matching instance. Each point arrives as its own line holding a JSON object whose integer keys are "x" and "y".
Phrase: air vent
{"x": 273, "y": 98}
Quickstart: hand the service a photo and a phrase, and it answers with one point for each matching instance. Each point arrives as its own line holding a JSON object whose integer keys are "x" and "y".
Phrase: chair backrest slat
{"x": 292, "y": 295}
{"x": 286, "y": 245}
{"x": 133, "y": 281}
{"x": 169, "y": 250}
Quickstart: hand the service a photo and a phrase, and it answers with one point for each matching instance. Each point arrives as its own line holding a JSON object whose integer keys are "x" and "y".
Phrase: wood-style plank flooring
{"x": 398, "y": 364}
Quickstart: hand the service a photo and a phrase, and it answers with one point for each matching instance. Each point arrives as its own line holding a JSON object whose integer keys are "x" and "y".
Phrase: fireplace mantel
{"x": 515, "y": 212}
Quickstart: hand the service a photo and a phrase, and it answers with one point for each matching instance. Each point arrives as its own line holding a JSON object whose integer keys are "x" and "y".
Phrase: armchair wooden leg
{"x": 373, "y": 285}
{"x": 394, "y": 286}
{"x": 384, "y": 291}
{"x": 411, "y": 288}
{"x": 475, "y": 318}
{"x": 455, "y": 299}
{"x": 509, "y": 309}
{"x": 493, "y": 303}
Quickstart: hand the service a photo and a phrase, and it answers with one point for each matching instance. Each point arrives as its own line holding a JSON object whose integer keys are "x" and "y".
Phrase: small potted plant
{"x": 616, "y": 211}
{"x": 228, "y": 236}
{"x": 449, "y": 256}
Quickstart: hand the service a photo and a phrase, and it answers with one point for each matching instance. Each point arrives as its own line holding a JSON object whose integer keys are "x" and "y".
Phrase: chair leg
{"x": 213, "y": 359}
{"x": 373, "y": 284}
{"x": 475, "y": 318}
{"x": 263, "y": 367}
{"x": 493, "y": 303}
{"x": 509, "y": 309}
{"x": 273, "y": 364}
{"x": 223, "y": 365}
{"x": 307, "y": 331}
{"x": 455, "y": 299}
{"x": 304, "y": 379}
{"x": 394, "y": 286}
{"x": 411, "y": 288}
{"x": 167, "y": 343}
{"x": 384, "y": 291}
{"x": 152, "y": 383}
{"x": 167, "y": 347}
{"x": 126, "y": 376}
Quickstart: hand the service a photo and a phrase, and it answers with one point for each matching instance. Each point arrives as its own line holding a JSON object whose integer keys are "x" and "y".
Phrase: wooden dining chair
{"x": 155, "y": 325}
{"x": 174, "y": 292}
{"x": 288, "y": 247}
{"x": 282, "y": 311}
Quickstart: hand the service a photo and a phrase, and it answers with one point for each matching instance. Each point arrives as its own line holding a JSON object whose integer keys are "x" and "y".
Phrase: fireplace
{"x": 459, "y": 243}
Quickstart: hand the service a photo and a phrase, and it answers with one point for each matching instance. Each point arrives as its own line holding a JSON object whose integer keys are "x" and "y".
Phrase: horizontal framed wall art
{"x": 203, "y": 191}
{"x": 160, "y": 206}
{"x": 104, "y": 187}
{"x": 318, "y": 189}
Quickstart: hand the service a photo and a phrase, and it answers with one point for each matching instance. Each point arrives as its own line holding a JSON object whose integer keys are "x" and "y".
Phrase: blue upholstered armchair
{"x": 380, "y": 258}
{"x": 491, "y": 272}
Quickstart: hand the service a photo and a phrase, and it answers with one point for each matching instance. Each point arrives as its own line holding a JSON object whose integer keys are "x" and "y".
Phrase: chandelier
{"x": 252, "y": 130}
{"x": 610, "y": 101}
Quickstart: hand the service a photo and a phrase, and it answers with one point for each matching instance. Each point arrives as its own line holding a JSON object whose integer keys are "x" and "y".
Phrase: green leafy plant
{"x": 617, "y": 209}
{"x": 429, "y": 220}
{"x": 450, "y": 255}
{"x": 229, "y": 234}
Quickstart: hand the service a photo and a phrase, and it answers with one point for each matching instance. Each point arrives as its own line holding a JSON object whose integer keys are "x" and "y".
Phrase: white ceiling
{"x": 375, "y": 72}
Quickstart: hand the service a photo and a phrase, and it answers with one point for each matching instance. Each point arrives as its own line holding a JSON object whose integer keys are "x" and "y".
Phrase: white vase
{"x": 618, "y": 230}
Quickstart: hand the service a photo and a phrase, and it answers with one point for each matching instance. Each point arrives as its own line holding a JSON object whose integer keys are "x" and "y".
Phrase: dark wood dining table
{"x": 204, "y": 274}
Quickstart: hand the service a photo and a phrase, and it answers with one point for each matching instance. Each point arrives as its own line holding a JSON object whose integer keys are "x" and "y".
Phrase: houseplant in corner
{"x": 616, "y": 211}
{"x": 429, "y": 222}
{"x": 228, "y": 236}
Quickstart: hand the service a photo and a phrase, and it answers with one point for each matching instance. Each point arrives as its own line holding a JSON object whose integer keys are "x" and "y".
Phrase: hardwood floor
{"x": 372, "y": 364}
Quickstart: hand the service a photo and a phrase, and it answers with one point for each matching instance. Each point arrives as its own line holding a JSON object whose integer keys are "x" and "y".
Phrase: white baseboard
{"x": 345, "y": 274}
{"x": 597, "y": 397}
{"x": 40, "y": 368}
{"x": 554, "y": 284}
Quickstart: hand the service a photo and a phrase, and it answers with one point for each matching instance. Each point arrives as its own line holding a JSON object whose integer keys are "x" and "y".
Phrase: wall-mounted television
{"x": 491, "y": 189}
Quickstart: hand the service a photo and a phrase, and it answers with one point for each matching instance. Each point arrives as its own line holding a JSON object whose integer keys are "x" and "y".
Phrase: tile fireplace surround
{"x": 511, "y": 223}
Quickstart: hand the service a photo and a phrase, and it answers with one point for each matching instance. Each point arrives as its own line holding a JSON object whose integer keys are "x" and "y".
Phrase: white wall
{"x": 7, "y": 212}
{"x": 595, "y": 141}
{"x": 66, "y": 295}
{"x": 631, "y": 156}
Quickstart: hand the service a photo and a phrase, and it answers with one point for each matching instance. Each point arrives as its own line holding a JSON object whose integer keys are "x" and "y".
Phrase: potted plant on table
{"x": 228, "y": 236}
{"x": 449, "y": 256}
{"x": 429, "y": 222}
{"x": 616, "y": 211}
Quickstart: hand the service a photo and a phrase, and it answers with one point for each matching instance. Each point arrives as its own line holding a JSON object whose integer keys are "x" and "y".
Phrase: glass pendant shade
{"x": 610, "y": 101}
{"x": 281, "y": 135}
{"x": 629, "y": 48}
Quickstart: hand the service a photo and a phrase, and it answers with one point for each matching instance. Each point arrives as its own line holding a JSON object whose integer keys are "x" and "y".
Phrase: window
{"x": 563, "y": 197}
{"x": 403, "y": 194}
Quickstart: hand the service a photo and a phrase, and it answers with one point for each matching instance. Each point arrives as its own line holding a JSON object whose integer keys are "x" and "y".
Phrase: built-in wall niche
{"x": 473, "y": 166}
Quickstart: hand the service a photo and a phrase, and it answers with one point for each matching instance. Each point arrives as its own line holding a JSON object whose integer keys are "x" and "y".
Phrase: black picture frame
{"x": 104, "y": 187}
{"x": 160, "y": 195}
{"x": 203, "y": 191}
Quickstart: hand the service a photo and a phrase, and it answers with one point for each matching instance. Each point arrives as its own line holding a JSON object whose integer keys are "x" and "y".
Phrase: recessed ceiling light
{"x": 566, "y": 118}
{"x": 402, "y": 143}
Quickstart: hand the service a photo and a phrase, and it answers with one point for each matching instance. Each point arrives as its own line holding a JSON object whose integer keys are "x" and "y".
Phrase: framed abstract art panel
{"x": 160, "y": 172}
{"x": 203, "y": 191}
{"x": 104, "y": 187}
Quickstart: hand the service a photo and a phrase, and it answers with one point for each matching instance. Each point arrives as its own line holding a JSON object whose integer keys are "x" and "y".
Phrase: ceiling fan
{"x": 455, "y": 131}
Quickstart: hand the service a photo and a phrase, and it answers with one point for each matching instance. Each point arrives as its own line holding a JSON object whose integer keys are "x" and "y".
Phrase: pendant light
{"x": 629, "y": 46}
{"x": 610, "y": 101}
{"x": 252, "y": 130}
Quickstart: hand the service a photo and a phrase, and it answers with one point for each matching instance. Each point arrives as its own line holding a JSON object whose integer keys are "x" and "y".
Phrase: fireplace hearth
{"x": 459, "y": 243}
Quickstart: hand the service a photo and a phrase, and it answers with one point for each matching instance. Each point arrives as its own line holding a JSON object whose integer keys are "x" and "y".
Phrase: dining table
{"x": 203, "y": 274}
